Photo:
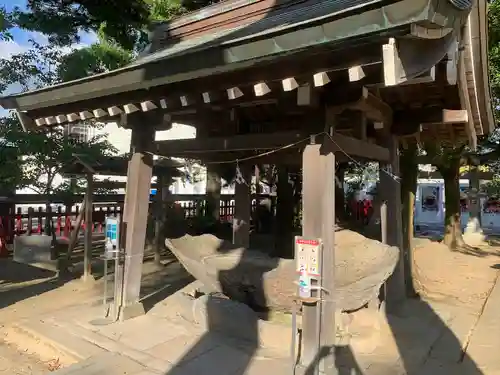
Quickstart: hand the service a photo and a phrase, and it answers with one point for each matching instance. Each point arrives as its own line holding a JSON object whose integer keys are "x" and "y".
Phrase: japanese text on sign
{"x": 307, "y": 256}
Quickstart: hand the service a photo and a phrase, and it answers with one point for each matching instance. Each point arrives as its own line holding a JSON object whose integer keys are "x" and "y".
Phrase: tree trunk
{"x": 453, "y": 230}
{"x": 409, "y": 176}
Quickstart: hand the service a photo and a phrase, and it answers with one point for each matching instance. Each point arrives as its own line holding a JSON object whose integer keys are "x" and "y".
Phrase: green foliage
{"x": 492, "y": 188}
{"x": 359, "y": 176}
{"x": 444, "y": 155}
{"x": 4, "y": 25}
{"x": 46, "y": 153}
{"x": 44, "y": 65}
{"x": 98, "y": 58}
{"x": 494, "y": 51}
{"x": 122, "y": 21}
{"x": 165, "y": 10}
{"x": 63, "y": 20}
{"x": 10, "y": 171}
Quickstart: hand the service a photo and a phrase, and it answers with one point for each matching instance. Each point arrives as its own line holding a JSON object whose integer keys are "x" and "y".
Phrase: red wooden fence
{"x": 32, "y": 220}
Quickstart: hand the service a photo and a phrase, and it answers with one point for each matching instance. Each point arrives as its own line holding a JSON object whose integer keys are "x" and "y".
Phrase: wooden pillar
{"x": 284, "y": 215}
{"x": 213, "y": 192}
{"x": 258, "y": 192}
{"x": 139, "y": 174}
{"x": 390, "y": 192}
{"x": 87, "y": 262}
{"x": 328, "y": 327}
{"x": 318, "y": 221}
{"x": 159, "y": 217}
{"x": 241, "y": 219}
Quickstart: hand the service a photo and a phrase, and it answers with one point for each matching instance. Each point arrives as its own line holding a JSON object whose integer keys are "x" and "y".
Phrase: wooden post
{"x": 242, "y": 203}
{"x": 135, "y": 216}
{"x": 390, "y": 192}
{"x": 31, "y": 213}
{"x": 158, "y": 218}
{"x": 318, "y": 221}
{"x": 74, "y": 234}
{"x": 258, "y": 192}
{"x": 87, "y": 261}
{"x": 284, "y": 215}
{"x": 328, "y": 327}
{"x": 213, "y": 192}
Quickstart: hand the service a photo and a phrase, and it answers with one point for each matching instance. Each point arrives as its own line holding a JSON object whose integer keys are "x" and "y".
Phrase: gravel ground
{"x": 14, "y": 362}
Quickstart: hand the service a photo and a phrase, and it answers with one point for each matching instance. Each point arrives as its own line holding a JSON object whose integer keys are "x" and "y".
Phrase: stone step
{"x": 50, "y": 342}
{"x": 86, "y": 332}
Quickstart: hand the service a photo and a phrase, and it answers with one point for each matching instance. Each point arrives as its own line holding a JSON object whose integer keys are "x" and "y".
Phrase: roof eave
{"x": 478, "y": 41}
{"x": 231, "y": 56}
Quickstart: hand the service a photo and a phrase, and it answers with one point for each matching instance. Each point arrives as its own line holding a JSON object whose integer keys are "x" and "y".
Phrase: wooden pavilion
{"x": 322, "y": 81}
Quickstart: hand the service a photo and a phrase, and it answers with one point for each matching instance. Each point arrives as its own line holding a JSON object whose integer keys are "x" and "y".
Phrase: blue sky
{"x": 21, "y": 40}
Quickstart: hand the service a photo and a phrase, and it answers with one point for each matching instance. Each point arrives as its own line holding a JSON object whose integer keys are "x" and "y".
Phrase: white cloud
{"x": 9, "y": 48}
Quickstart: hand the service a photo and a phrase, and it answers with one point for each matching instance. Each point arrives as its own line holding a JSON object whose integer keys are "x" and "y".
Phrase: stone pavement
{"x": 484, "y": 344}
{"x": 425, "y": 339}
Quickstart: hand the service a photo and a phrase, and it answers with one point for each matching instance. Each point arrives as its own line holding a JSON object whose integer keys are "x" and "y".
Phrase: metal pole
{"x": 87, "y": 262}
{"x": 383, "y": 221}
{"x": 105, "y": 299}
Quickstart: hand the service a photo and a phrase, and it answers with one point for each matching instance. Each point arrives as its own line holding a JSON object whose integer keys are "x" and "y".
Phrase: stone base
{"x": 131, "y": 311}
{"x": 473, "y": 234}
{"x": 35, "y": 250}
{"x": 88, "y": 279}
{"x": 474, "y": 238}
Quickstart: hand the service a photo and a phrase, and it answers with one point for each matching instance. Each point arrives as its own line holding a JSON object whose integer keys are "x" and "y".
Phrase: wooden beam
{"x": 115, "y": 185}
{"x": 428, "y": 116}
{"x": 253, "y": 142}
{"x": 248, "y": 142}
{"x": 373, "y": 107}
{"x": 356, "y": 73}
{"x": 393, "y": 68}
{"x": 361, "y": 99}
{"x": 356, "y": 147}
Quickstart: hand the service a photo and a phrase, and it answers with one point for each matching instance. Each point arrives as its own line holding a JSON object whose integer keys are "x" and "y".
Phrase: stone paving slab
{"x": 221, "y": 360}
{"x": 107, "y": 363}
{"x": 427, "y": 336}
{"x": 484, "y": 343}
{"x": 50, "y": 341}
{"x": 143, "y": 332}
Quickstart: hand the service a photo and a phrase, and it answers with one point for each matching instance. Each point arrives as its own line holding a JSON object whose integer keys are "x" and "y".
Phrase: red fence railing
{"x": 25, "y": 218}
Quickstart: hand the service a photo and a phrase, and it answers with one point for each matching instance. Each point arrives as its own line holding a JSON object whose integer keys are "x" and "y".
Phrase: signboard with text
{"x": 308, "y": 267}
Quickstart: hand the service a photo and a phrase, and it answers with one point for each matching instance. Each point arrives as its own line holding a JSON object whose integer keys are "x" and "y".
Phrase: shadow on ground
{"x": 20, "y": 281}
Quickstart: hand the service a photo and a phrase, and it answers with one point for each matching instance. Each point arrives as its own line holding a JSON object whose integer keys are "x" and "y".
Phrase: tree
{"x": 408, "y": 161}
{"x": 64, "y": 20}
{"x": 4, "y": 25}
{"x": 448, "y": 158}
{"x": 125, "y": 22}
{"x": 11, "y": 172}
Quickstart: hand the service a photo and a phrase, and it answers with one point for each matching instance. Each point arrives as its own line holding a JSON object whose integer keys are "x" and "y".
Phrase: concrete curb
{"x": 47, "y": 343}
